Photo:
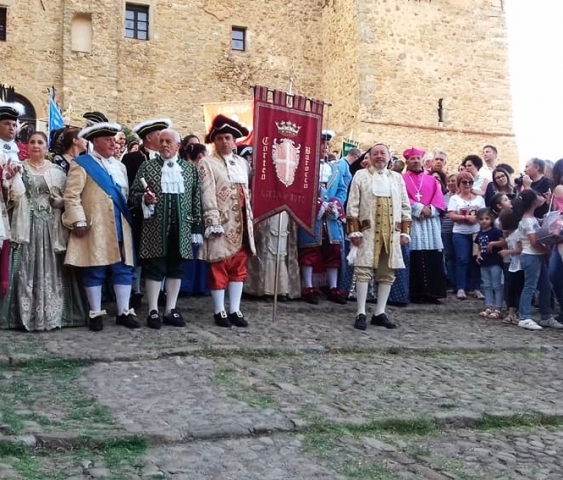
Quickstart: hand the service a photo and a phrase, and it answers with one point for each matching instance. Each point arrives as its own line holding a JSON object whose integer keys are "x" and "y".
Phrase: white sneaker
{"x": 550, "y": 322}
{"x": 529, "y": 324}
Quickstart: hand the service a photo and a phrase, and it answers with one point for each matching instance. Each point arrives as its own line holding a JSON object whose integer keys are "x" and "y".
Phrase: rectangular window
{"x": 137, "y": 21}
{"x": 3, "y": 17}
{"x": 238, "y": 39}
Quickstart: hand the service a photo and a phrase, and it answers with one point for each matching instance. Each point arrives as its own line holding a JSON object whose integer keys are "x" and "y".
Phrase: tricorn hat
{"x": 243, "y": 150}
{"x": 149, "y": 126}
{"x": 102, "y": 129}
{"x": 11, "y": 111}
{"x": 94, "y": 117}
{"x": 412, "y": 152}
{"x": 222, "y": 124}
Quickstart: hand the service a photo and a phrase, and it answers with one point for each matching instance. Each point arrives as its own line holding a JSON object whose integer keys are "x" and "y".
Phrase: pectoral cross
{"x": 418, "y": 196}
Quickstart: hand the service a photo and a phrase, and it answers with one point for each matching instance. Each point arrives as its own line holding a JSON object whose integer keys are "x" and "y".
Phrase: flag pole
{"x": 278, "y": 253}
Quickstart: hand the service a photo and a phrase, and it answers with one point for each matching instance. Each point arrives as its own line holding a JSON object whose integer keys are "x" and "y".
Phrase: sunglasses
{"x": 500, "y": 178}
{"x": 467, "y": 182}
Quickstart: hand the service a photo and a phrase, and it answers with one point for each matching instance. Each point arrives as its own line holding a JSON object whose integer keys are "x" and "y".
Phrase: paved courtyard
{"x": 447, "y": 395}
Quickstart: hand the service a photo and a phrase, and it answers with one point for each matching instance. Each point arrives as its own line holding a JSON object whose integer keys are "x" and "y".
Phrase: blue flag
{"x": 55, "y": 118}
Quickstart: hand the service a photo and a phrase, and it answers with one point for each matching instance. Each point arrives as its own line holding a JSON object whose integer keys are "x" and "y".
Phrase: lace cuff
{"x": 197, "y": 238}
{"x": 213, "y": 229}
{"x": 355, "y": 235}
{"x": 148, "y": 210}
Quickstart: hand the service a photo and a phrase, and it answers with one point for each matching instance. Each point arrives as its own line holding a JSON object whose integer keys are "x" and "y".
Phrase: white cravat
{"x": 10, "y": 150}
{"x": 325, "y": 172}
{"x": 113, "y": 167}
{"x": 237, "y": 170}
{"x": 380, "y": 185}
{"x": 171, "y": 180}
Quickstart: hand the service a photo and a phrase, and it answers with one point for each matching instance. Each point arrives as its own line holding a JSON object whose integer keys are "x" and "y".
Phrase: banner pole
{"x": 276, "y": 279}
{"x": 280, "y": 224}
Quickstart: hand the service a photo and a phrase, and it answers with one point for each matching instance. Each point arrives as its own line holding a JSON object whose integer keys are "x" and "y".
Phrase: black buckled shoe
{"x": 222, "y": 320}
{"x": 237, "y": 319}
{"x": 96, "y": 321}
{"x": 128, "y": 320}
{"x": 382, "y": 320}
{"x": 336, "y": 296}
{"x": 153, "y": 320}
{"x": 174, "y": 319}
{"x": 360, "y": 323}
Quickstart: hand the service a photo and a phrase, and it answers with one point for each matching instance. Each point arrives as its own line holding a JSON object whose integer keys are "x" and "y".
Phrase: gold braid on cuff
{"x": 406, "y": 227}
{"x": 352, "y": 225}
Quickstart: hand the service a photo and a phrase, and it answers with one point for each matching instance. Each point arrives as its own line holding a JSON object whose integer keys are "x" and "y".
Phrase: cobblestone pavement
{"x": 445, "y": 396}
{"x": 453, "y": 326}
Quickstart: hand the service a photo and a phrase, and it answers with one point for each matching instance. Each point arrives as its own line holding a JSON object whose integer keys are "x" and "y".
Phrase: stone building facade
{"x": 382, "y": 64}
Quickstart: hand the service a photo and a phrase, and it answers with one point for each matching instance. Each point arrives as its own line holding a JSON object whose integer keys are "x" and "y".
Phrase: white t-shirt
{"x": 526, "y": 226}
{"x": 485, "y": 173}
{"x": 512, "y": 242}
{"x": 462, "y": 206}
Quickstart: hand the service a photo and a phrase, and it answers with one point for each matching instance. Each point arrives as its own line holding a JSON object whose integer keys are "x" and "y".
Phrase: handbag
{"x": 551, "y": 231}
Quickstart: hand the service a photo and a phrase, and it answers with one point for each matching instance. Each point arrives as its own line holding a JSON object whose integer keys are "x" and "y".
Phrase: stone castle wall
{"x": 383, "y": 64}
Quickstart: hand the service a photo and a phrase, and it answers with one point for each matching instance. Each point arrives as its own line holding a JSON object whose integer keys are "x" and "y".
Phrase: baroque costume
{"x": 40, "y": 297}
{"x": 167, "y": 229}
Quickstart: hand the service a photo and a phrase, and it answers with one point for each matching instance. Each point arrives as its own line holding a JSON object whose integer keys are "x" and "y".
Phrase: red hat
{"x": 413, "y": 152}
{"x": 222, "y": 124}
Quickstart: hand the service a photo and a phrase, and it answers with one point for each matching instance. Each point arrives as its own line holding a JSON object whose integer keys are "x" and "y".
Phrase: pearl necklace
{"x": 38, "y": 168}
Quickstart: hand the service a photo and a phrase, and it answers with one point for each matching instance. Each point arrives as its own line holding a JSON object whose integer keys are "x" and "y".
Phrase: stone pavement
{"x": 446, "y": 395}
{"x": 453, "y": 326}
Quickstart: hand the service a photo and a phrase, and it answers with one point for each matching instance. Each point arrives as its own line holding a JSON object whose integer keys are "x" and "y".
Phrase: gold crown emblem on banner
{"x": 288, "y": 128}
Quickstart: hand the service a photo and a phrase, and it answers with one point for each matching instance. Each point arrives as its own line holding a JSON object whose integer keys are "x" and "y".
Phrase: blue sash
{"x": 105, "y": 182}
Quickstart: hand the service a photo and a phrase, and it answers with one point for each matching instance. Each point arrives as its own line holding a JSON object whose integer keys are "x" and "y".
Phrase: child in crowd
{"x": 534, "y": 263}
{"x": 491, "y": 264}
{"x": 514, "y": 275}
{"x": 499, "y": 203}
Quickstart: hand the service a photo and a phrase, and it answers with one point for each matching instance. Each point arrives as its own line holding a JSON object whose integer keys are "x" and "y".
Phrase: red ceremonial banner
{"x": 287, "y": 132}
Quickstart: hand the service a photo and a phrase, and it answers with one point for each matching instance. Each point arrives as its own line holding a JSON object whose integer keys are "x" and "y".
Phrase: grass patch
{"x": 327, "y": 446}
{"x": 117, "y": 452}
{"x": 49, "y": 385}
{"x": 365, "y": 471}
{"x": 489, "y": 422}
{"x": 413, "y": 426}
{"x": 226, "y": 378}
{"x": 87, "y": 410}
{"x": 26, "y": 465}
{"x": 13, "y": 423}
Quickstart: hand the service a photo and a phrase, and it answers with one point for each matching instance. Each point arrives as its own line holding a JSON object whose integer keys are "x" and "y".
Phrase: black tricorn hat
{"x": 11, "y": 111}
{"x": 222, "y": 124}
{"x": 149, "y": 126}
{"x": 102, "y": 129}
{"x": 243, "y": 150}
{"x": 95, "y": 117}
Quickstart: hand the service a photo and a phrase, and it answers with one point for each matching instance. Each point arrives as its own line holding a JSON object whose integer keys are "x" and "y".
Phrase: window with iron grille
{"x": 137, "y": 21}
{"x": 238, "y": 39}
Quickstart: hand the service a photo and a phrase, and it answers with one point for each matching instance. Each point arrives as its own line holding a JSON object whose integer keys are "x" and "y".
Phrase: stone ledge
{"x": 225, "y": 350}
{"x": 67, "y": 441}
